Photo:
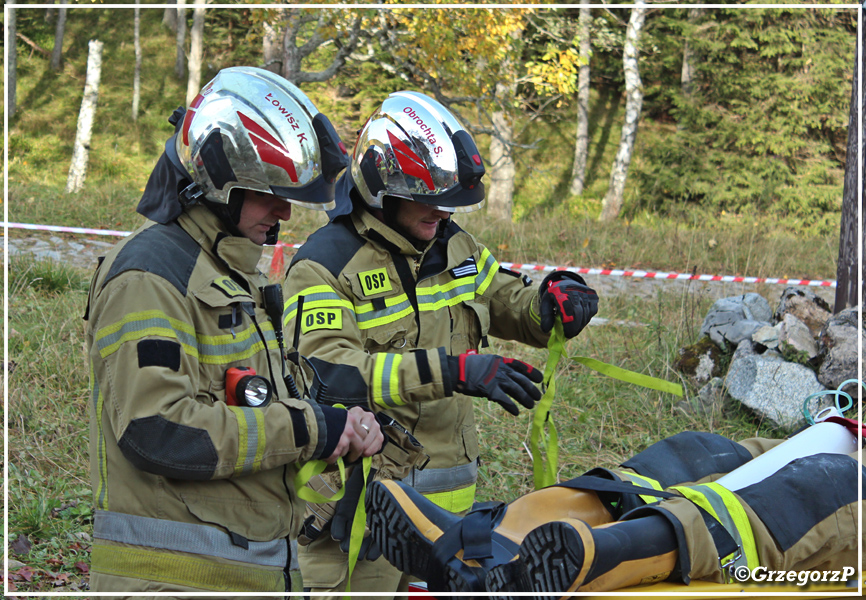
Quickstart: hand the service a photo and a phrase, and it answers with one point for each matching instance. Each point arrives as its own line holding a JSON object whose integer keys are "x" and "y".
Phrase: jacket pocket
{"x": 386, "y": 339}
{"x": 470, "y": 326}
{"x": 256, "y": 521}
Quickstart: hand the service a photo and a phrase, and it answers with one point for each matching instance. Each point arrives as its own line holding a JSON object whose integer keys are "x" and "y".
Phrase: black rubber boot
{"x": 568, "y": 555}
{"x": 454, "y": 553}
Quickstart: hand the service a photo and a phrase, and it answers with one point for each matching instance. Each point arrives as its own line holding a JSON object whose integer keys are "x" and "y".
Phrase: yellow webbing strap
{"x": 310, "y": 470}
{"x": 730, "y": 514}
{"x": 359, "y": 524}
{"x": 192, "y": 571}
{"x": 545, "y": 474}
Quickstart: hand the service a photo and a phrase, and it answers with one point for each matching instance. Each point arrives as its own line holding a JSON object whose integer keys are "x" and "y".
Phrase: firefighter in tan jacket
{"x": 192, "y": 453}
{"x": 393, "y": 300}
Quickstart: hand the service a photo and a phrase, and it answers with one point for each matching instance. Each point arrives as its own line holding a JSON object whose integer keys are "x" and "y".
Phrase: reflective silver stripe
{"x": 723, "y": 515}
{"x": 430, "y": 481}
{"x": 187, "y": 537}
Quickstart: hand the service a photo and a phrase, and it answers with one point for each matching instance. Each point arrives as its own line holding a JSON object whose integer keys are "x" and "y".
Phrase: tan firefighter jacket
{"x": 378, "y": 318}
{"x": 190, "y": 492}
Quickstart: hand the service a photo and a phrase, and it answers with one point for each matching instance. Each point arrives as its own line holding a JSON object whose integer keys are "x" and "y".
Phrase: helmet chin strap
{"x": 230, "y": 214}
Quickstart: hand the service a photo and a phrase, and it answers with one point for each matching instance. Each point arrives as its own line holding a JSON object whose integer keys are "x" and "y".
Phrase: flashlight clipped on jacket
{"x": 245, "y": 388}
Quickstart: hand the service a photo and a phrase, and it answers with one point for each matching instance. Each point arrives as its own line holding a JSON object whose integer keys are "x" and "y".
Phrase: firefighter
{"x": 600, "y": 532}
{"x": 393, "y": 299}
{"x": 196, "y": 431}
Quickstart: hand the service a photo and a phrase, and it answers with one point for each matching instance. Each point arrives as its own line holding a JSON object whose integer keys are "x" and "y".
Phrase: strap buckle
{"x": 728, "y": 567}
{"x": 190, "y": 194}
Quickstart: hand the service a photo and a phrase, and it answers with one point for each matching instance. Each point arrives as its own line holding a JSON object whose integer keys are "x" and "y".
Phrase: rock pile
{"x": 770, "y": 361}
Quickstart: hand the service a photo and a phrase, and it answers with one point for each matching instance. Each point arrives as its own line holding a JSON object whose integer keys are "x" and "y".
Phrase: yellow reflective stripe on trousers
{"x": 386, "y": 384}
{"x": 251, "y": 439}
{"x": 727, "y": 509}
{"x": 187, "y": 570}
{"x": 455, "y": 501}
{"x": 644, "y": 482}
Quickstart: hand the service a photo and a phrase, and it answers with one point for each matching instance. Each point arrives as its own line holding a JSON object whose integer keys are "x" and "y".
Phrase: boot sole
{"x": 407, "y": 549}
{"x": 510, "y": 577}
{"x": 554, "y": 557}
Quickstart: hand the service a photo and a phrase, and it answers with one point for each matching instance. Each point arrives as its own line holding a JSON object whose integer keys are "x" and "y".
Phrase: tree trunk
{"x": 272, "y": 48}
{"x": 12, "y": 66}
{"x": 500, "y": 196}
{"x": 581, "y": 146}
{"x": 81, "y": 148}
{"x": 850, "y": 242}
{"x": 59, "y": 30}
{"x": 180, "y": 61}
{"x": 169, "y": 17}
{"x": 196, "y": 52}
{"x": 136, "y": 79}
{"x": 49, "y": 12}
{"x": 688, "y": 72}
{"x": 612, "y": 203}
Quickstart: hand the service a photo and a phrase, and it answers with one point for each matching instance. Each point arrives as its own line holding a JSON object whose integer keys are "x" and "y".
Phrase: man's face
{"x": 259, "y": 213}
{"x": 420, "y": 221}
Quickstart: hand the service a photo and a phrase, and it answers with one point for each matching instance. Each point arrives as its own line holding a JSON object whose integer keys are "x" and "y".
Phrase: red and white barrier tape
{"x": 278, "y": 257}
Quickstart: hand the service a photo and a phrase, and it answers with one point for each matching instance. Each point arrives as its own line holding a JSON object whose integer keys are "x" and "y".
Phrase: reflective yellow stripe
{"x": 436, "y": 297}
{"x": 207, "y": 349}
{"x": 251, "y": 438}
{"x": 317, "y": 296}
{"x": 181, "y": 569}
{"x": 100, "y": 494}
{"x": 455, "y": 501}
{"x": 727, "y": 509}
{"x": 386, "y": 381}
{"x": 486, "y": 273}
{"x": 642, "y": 481}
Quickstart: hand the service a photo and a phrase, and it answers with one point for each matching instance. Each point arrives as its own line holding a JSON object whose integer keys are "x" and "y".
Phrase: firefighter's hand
{"x": 361, "y": 436}
{"x": 341, "y": 524}
{"x": 496, "y": 378}
{"x": 566, "y": 294}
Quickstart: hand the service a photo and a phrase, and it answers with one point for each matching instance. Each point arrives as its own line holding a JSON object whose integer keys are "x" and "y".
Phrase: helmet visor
{"x": 318, "y": 194}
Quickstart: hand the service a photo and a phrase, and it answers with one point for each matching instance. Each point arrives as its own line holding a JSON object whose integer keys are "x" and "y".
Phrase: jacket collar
{"x": 372, "y": 228}
{"x": 238, "y": 253}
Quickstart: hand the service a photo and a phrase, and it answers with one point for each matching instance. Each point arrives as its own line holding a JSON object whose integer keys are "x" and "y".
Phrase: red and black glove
{"x": 566, "y": 294}
{"x": 496, "y": 378}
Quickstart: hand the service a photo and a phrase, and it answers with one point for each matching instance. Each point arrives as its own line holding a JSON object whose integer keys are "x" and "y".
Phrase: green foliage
{"x": 765, "y": 126}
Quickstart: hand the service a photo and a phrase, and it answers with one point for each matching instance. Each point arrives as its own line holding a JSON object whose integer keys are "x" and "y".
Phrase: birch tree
{"x": 196, "y": 52}
{"x": 12, "y": 65}
{"x": 59, "y": 31}
{"x": 581, "y": 145}
{"x": 136, "y": 78}
{"x": 180, "y": 40}
{"x": 81, "y": 148}
{"x": 612, "y": 203}
{"x": 169, "y": 17}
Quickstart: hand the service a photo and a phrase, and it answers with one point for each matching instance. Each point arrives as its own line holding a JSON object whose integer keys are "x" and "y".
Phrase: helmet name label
{"x": 375, "y": 281}
{"x": 322, "y": 318}
{"x": 289, "y": 116}
{"x": 428, "y": 132}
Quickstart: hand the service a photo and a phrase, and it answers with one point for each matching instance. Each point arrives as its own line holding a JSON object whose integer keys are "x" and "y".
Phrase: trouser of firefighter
{"x": 325, "y": 568}
{"x": 804, "y": 517}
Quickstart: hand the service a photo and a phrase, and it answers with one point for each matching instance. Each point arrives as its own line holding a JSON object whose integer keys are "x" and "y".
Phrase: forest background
{"x": 736, "y": 167}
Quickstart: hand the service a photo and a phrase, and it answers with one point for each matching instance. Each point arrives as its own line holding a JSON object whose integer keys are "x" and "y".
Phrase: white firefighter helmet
{"x": 251, "y": 129}
{"x": 413, "y": 148}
